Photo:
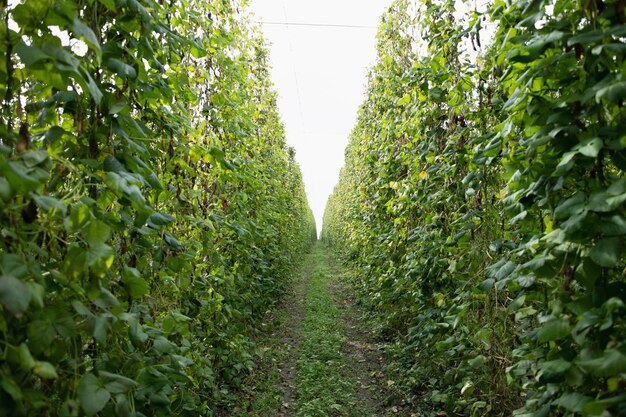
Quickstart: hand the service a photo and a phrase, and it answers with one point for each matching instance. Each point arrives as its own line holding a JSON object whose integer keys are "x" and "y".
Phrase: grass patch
{"x": 269, "y": 389}
{"x": 263, "y": 392}
{"x": 305, "y": 367}
{"x": 324, "y": 383}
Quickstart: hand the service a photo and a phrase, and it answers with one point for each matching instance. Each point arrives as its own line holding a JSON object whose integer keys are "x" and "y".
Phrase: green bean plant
{"x": 482, "y": 201}
{"x": 151, "y": 210}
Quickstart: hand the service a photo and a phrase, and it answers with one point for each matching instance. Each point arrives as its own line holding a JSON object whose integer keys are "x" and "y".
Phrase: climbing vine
{"x": 482, "y": 202}
{"x": 150, "y": 209}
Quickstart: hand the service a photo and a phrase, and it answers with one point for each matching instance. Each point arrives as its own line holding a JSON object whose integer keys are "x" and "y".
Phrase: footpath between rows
{"x": 317, "y": 355}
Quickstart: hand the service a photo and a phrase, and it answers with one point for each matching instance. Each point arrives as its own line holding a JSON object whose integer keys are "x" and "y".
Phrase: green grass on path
{"x": 324, "y": 382}
{"x": 307, "y": 367}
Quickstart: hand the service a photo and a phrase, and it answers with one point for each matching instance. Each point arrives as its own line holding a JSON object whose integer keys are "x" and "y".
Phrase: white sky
{"x": 320, "y": 75}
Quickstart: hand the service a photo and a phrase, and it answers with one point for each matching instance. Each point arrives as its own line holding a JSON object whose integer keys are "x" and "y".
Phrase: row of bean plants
{"x": 150, "y": 209}
{"x": 482, "y": 204}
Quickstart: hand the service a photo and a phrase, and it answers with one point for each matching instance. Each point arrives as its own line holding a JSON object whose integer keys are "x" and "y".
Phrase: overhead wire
{"x": 311, "y": 24}
{"x": 293, "y": 64}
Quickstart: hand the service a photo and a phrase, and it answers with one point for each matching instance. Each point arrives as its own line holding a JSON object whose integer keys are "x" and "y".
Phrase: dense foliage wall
{"x": 482, "y": 202}
{"x": 150, "y": 210}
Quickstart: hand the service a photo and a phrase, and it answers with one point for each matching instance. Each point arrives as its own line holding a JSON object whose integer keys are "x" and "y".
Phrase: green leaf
{"x": 566, "y": 163}
{"x": 45, "y": 370}
{"x": 613, "y": 304}
{"x": 22, "y": 356}
{"x": 554, "y": 329}
{"x": 404, "y": 100}
{"x": 138, "y": 8}
{"x": 612, "y": 93}
{"x": 596, "y": 408}
{"x": 6, "y": 192}
{"x": 84, "y": 32}
{"x": 96, "y": 232}
{"x": 122, "y": 407}
{"x": 501, "y": 269}
{"x": 537, "y": 43}
{"x": 526, "y": 280}
{"x": 134, "y": 284}
{"x": 29, "y": 13}
{"x": 135, "y": 331}
{"x": 574, "y": 377}
{"x": 100, "y": 329}
{"x": 612, "y": 49}
{"x": 198, "y": 52}
{"x": 79, "y": 216}
{"x": 611, "y": 363}
{"x": 575, "y": 222}
{"x": 516, "y": 304}
{"x": 96, "y": 94}
{"x": 607, "y": 252}
{"x": 571, "y": 206}
{"x": 163, "y": 346}
{"x": 172, "y": 241}
{"x": 586, "y": 38}
{"x": 477, "y": 362}
{"x": 617, "y": 188}
{"x": 117, "y": 107}
{"x": 106, "y": 299}
{"x": 11, "y": 264}
{"x": 121, "y": 68}
{"x": 161, "y": 219}
{"x": 112, "y": 164}
{"x": 30, "y": 55}
{"x": 55, "y": 133}
{"x": 11, "y": 388}
{"x": 109, "y": 4}
{"x": 436, "y": 94}
{"x": 21, "y": 176}
{"x": 153, "y": 180}
{"x": 572, "y": 401}
{"x": 117, "y": 384}
{"x": 35, "y": 158}
{"x": 531, "y": 19}
{"x": 619, "y": 159}
{"x": 487, "y": 284}
{"x": 590, "y": 147}
{"x": 217, "y": 155}
{"x": 99, "y": 252}
{"x": 598, "y": 202}
{"x": 37, "y": 294}
{"x": 47, "y": 203}
{"x": 119, "y": 182}
{"x": 555, "y": 367}
{"x": 92, "y": 394}
{"x": 81, "y": 309}
{"x": 41, "y": 334}
{"x": 14, "y": 294}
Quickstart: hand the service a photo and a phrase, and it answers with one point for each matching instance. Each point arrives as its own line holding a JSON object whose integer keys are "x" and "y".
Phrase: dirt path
{"x": 291, "y": 338}
{"x": 361, "y": 351}
{"x": 270, "y": 388}
{"x": 318, "y": 357}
